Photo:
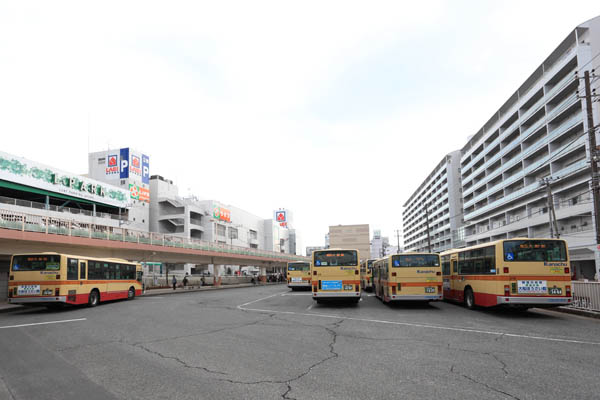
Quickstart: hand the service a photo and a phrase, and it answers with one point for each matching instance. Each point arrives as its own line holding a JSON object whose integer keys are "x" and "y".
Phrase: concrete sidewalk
{"x": 5, "y": 307}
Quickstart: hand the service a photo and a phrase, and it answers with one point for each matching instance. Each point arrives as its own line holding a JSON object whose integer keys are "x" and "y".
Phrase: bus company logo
{"x": 554, "y": 264}
{"x": 112, "y": 164}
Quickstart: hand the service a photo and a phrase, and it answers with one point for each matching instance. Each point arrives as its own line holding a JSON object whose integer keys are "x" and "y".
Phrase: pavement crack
{"x": 493, "y": 389}
{"x": 12, "y": 395}
{"x": 178, "y": 360}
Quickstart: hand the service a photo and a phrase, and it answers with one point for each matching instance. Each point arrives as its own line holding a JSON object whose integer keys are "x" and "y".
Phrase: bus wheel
{"x": 94, "y": 298}
{"x": 131, "y": 293}
{"x": 469, "y": 299}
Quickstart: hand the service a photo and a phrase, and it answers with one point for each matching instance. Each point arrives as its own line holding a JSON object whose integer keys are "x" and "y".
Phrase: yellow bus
{"x": 298, "y": 274}
{"x": 518, "y": 272}
{"x": 335, "y": 275}
{"x": 366, "y": 273}
{"x": 408, "y": 276}
{"x": 54, "y": 279}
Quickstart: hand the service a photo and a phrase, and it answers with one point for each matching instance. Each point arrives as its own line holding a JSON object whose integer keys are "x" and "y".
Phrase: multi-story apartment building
{"x": 539, "y": 133}
{"x": 437, "y": 202}
{"x": 351, "y": 237}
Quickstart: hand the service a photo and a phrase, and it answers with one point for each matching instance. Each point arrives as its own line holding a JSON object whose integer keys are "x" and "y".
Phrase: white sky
{"x": 336, "y": 110}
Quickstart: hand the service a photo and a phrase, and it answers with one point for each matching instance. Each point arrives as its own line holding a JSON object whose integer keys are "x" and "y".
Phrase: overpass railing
{"x": 57, "y": 226}
{"x": 586, "y": 296}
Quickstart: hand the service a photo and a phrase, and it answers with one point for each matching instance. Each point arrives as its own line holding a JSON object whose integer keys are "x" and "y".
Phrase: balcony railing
{"x": 57, "y": 226}
{"x": 50, "y": 207}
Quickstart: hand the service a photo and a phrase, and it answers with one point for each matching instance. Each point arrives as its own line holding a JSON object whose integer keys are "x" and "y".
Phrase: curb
{"x": 575, "y": 311}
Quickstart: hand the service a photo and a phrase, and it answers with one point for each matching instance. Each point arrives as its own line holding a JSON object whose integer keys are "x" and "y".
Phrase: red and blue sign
{"x": 124, "y": 167}
{"x": 112, "y": 164}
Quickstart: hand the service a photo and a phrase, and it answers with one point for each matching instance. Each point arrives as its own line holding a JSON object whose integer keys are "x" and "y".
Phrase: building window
{"x": 101, "y": 160}
{"x": 221, "y": 230}
{"x": 253, "y": 234}
{"x": 233, "y": 233}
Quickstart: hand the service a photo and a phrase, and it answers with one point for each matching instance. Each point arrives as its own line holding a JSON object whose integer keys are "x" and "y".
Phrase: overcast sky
{"x": 336, "y": 110}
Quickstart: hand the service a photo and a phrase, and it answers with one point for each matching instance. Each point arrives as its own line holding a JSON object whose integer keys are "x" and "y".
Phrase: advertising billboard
{"x": 281, "y": 218}
{"x": 112, "y": 166}
{"x": 137, "y": 192}
{"x": 124, "y": 166}
{"x": 29, "y": 173}
{"x": 145, "y": 169}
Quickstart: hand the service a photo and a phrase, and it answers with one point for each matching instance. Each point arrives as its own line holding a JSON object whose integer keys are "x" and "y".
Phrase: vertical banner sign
{"x": 124, "y": 168}
{"x": 112, "y": 166}
{"x": 145, "y": 169}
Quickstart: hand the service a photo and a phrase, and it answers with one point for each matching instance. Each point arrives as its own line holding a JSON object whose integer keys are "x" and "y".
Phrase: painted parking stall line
{"x": 414, "y": 324}
{"x": 64, "y": 321}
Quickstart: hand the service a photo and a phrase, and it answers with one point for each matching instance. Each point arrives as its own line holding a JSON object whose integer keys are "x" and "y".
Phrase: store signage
{"x": 222, "y": 214}
{"x": 281, "y": 218}
{"x": 137, "y": 192}
{"x": 125, "y": 164}
{"x": 29, "y": 173}
{"x": 112, "y": 165}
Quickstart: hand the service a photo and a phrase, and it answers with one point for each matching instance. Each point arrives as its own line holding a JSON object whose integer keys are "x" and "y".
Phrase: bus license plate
{"x": 348, "y": 287}
{"x": 532, "y": 287}
{"x": 331, "y": 285}
{"x": 555, "y": 291}
{"x": 429, "y": 289}
{"x": 296, "y": 279}
{"x": 26, "y": 290}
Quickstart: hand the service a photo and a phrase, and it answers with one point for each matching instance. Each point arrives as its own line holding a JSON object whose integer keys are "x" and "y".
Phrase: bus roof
{"x": 75, "y": 256}
{"x": 493, "y": 243}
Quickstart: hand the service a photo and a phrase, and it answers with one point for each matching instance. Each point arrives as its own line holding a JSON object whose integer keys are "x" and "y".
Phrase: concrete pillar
{"x": 263, "y": 274}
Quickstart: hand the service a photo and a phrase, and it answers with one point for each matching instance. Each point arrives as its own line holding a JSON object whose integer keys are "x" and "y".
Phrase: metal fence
{"x": 586, "y": 296}
{"x": 56, "y": 226}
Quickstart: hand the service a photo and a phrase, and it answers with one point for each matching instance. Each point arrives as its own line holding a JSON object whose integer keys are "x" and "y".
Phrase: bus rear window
{"x": 299, "y": 267}
{"x": 36, "y": 263}
{"x": 336, "y": 258}
{"x": 417, "y": 260}
{"x": 535, "y": 250}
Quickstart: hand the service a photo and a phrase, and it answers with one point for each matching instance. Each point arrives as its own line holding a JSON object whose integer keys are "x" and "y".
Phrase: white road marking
{"x": 309, "y": 307}
{"x": 412, "y": 324}
{"x": 44, "y": 323}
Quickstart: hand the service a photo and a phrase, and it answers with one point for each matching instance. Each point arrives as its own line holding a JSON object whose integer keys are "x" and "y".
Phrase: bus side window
{"x": 72, "y": 264}
{"x": 82, "y": 270}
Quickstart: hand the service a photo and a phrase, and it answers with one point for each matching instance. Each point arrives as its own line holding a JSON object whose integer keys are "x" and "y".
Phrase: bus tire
{"x": 94, "y": 298}
{"x": 319, "y": 301}
{"x": 469, "y": 299}
{"x": 131, "y": 293}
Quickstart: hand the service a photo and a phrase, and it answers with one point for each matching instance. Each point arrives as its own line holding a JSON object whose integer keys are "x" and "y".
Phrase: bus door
{"x": 457, "y": 283}
{"x": 73, "y": 278}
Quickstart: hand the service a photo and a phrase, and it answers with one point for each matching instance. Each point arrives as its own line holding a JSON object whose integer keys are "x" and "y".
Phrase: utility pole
{"x": 593, "y": 163}
{"x": 398, "y": 237}
{"x": 428, "y": 235}
{"x": 551, "y": 213}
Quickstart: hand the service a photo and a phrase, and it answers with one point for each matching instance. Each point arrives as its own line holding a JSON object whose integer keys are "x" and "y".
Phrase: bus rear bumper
{"x": 336, "y": 295}
{"x": 299, "y": 284}
{"x": 416, "y": 297}
{"x": 31, "y": 300}
{"x": 535, "y": 301}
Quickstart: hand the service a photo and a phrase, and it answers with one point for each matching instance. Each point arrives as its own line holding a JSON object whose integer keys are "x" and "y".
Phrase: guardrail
{"x": 56, "y": 226}
{"x": 586, "y": 296}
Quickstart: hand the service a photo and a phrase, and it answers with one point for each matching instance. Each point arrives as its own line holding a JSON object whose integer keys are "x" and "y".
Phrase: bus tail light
{"x": 12, "y": 278}
{"x": 507, "y": 290}
{"x": 356, "y": 288}
{"x": 355, "y": 272}
{"x": 439, "y": 289}
{"x": 57, "y": 276}
{"x": 506, "y": 270}
{"x": 438, "y": 273}
{"x": 567, "y": 270}
{"x": 14, "y": 292}
{"x": 314, "y": 288}
{"x": 393, "y": 289}
{"x": 399, "y": 286}
{"x": 568, "y": 290}
{"x": 56, "y": 291}
{"x": 319, "y": 285}
{"x": 314, "y": 272}
{"x": 393, "y": 274}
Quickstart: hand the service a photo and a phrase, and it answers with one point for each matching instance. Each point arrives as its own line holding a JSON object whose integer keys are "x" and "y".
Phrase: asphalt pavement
{"x": 268, "y": 342}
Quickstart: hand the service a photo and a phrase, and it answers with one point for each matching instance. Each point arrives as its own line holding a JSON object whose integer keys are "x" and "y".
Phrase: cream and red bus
{"x": 408, "y": 277}
{"x": 54, "y": 279}
{"x": 335, "y": 274}
{"x": 366, "y": 273}
{"x": 518, "y": 272}
{"x": 298, "y": 275}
